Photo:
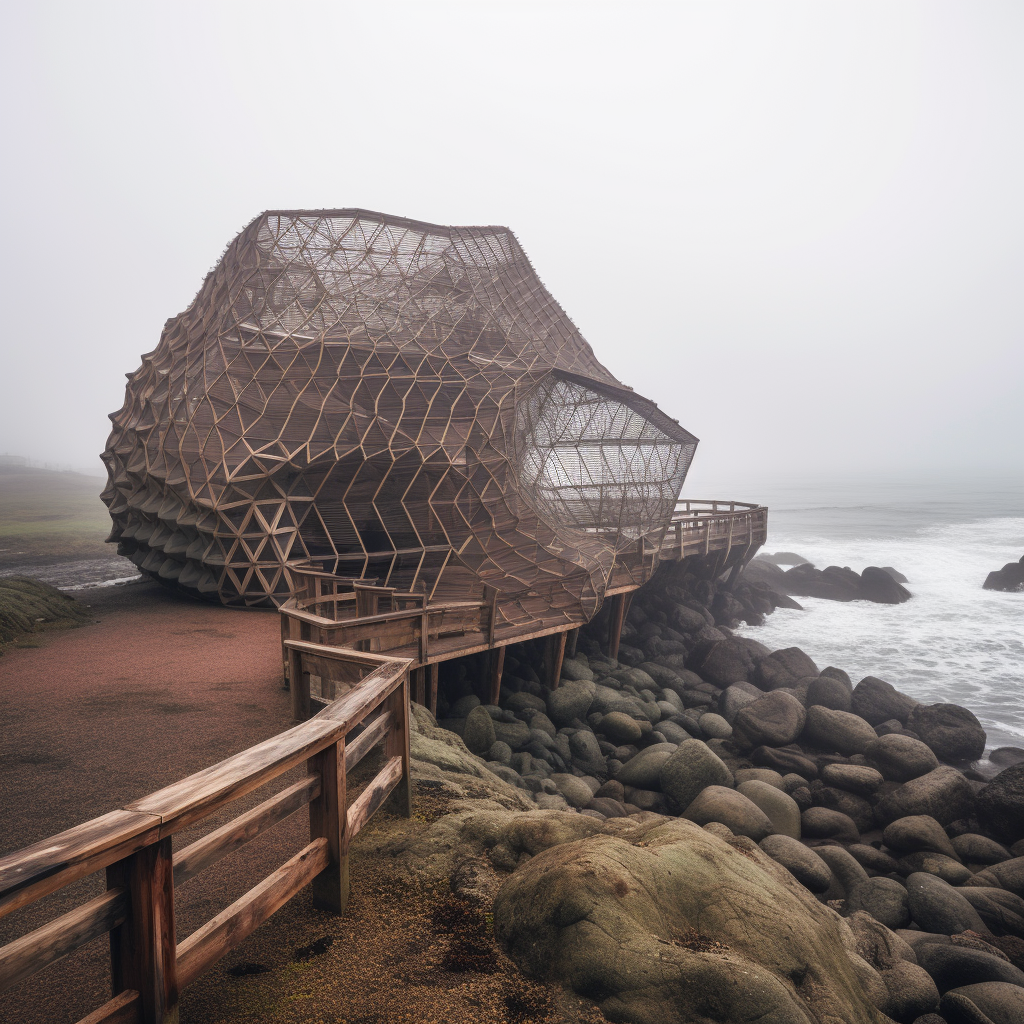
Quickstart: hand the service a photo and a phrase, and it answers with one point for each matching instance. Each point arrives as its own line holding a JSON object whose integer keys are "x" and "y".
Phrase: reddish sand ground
{"x": 157, "y": 688}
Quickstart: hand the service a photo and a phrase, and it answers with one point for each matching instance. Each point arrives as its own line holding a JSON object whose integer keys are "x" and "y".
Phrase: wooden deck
{"x": 329, "y": 613}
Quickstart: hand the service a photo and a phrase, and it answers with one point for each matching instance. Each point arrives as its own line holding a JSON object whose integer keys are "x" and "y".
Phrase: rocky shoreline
{"x": 704, "y": 805}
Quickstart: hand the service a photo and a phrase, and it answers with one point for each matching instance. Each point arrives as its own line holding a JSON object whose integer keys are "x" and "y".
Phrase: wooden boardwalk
{"x": 329, "y": 613}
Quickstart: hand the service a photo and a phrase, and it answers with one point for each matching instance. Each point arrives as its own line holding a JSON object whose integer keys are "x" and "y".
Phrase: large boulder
{"x": 728, "y": 661}
{"x": 936, "y": 906}
{"x": 952, "y": 732}
{"x": 743, "y": 816}
{"x": 854, "y": 778}
{"x": 1000, "y": 804}
{"x": 918, "y": 832}
{"x": 643, "y": 770}
{"x": 784, "y": 668}
{"x": 837, "y": 731}
{"x": 879, "y": 586}
{"x": 831, "y": 692}
{"x": 734, "y": 698}
{"x": 691, "y": 768}
{"x": 619, "y": 727}
{"x": 1002, "y": 911}
{"x": 912, "y": 992}
{"x": 901, "y": 758}
{"x": 1009, "y": 876}
{"x": 803, "y": 864}
{"x": 1009, "y": 578}
{"x": 780, "y": 807}
{"x": 661, "y": 924}
{"x": 987, "y": 1002}
{"x": 478, "y": 732}
{"x": 785, "y": 760}
{"x": 877, "y": 701}
{"x": 885, "y": 899}
{"x": 570, "y": 702}
{"x": 775, "y": 720}
{"x": 957, "y": 966}
{"x": 943, "y": 793}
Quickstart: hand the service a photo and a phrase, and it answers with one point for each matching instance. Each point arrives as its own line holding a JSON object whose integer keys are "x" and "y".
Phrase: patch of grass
{"x": 27, "y": 606}
{"x": 52, "y": 516}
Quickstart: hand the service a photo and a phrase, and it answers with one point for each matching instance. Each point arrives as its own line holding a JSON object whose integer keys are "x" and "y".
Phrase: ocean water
{"x": 953, "y": 641}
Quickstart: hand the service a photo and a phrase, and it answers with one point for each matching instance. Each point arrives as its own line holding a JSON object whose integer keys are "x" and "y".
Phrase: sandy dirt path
{"x": 156, "y": 688}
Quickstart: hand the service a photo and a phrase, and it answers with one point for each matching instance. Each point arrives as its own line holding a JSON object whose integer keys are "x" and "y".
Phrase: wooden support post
{"x": 299, "y": 687}
{"x": 497, "y": 667}
{"x": 396, "y": 744}
{"x": 433, "y": 689}
{"x": 143, "y": 955}
{"x": 616, "y": 613}
{"x": 327, "y": 819}
{"x": 420, "y": 685}
{"x": 424, "y": 638}
{"x": 571, "y": 641}
{"x": 554, "y": 652}
{"x": 491, "y": 600}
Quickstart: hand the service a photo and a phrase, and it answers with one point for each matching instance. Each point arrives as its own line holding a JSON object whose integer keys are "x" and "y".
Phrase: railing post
{"x": 143, "y": 954}
{"x": 424, "y": 637}
{"x": 328, "y": 819}
{"x": 491, "y": 603}
{"x": 397, "y": 744}
{"x": 299, "y": 686}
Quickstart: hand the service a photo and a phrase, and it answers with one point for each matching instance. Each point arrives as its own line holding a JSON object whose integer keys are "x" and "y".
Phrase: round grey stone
{"x": 936, "y": 906}
{"x": 779, "y": 806}
{"x": 691, "y": 768}
{"x": 620, "y": 728}
{"x": 803, "y": 864}
{"x": 716, "y": 803}
{"x": 883, "y": 898}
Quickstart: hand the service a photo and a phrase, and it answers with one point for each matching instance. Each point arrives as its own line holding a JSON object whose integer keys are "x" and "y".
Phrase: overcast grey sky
{"x": 796, "y": 226}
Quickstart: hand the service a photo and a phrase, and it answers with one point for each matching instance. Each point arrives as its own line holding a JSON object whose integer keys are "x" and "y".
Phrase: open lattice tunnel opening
{"x": 599, "y": 459}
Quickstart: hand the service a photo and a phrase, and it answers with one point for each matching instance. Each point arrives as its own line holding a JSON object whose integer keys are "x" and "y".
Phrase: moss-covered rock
{"x": 27, "y": 605}
{"x": 666, "y": 923}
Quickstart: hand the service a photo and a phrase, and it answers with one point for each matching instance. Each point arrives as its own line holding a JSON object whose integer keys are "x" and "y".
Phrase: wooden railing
{"x": 133, "y": 844}
{"x": 334, "y": 612}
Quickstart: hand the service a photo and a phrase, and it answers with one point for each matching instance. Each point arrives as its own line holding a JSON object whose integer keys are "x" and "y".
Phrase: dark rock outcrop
{"x": 1000, "y": 805}
{"x": 837, "y": 583}
{"x": 1009, "y": 578}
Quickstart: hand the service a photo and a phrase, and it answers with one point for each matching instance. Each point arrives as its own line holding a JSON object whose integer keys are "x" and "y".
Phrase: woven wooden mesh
{"x": 396, "y": 401}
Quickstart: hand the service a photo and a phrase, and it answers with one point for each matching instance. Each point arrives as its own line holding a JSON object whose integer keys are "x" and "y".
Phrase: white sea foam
{"x": 952, "y": 642}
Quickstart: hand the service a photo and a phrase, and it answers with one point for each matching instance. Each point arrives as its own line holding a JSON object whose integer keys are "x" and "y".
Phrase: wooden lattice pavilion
{"x": 398, "y": 402}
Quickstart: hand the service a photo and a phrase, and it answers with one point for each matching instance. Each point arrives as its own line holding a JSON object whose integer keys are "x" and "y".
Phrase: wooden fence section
{"x": 133, "y": 844}
{"x": 358, "y": 616}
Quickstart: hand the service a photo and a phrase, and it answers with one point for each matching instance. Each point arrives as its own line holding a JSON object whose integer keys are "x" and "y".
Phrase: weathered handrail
{"x": 322, "y": 612}
{"x": 133, "y": 844}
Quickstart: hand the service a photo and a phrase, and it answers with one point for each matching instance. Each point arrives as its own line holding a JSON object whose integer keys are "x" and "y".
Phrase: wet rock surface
{"x": 863, "y": 798}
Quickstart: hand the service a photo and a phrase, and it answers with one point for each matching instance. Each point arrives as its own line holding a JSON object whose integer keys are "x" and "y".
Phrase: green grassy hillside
{"x": 47, "y": 516}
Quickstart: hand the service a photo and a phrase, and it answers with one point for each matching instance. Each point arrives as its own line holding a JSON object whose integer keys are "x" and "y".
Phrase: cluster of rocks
{"x": 834, "y": 583}
{"x": 877, "y": 805}
{"x": 1009, "y": 578}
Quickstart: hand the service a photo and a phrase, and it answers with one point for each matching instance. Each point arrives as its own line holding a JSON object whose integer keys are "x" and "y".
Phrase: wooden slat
{"x": 375, "y": 731}
{"x": 374, "y": 795}
{"x": 122, "y": 1009}
{"x": 366, "y": 658}
{"x": 208, "y": 944}
{"x": 52, "y": 863}
{"x": 243, "y": 829}
{"x": 23, "y": 957}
